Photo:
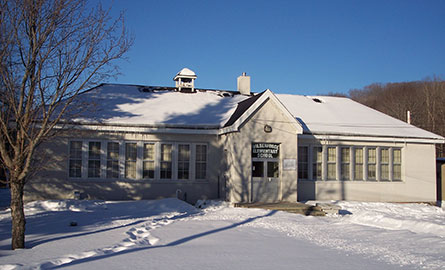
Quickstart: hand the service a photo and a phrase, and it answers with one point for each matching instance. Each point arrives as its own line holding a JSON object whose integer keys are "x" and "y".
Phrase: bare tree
{"x": 424, "y": 99}
{"x": 433, "y": 91}
{"x": 50, "y": 50}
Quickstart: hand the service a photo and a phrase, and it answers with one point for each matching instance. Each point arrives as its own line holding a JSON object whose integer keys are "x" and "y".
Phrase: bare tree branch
{"x": 424, "y": 99}
{"x": 49, "y": 52}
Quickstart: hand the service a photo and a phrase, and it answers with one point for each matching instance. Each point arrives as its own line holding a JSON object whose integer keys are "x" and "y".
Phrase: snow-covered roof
{"x": 343, "y": 116}
{"x": 137, "y": 105}
{"x": 116, "y": 104}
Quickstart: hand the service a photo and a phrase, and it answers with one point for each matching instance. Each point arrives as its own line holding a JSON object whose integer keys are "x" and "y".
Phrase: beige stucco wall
{"x": 52, "y": 181}
{"x": 238, "y": 147}
{"x": 229, "y": 168}
{"x": 418, "y": 178}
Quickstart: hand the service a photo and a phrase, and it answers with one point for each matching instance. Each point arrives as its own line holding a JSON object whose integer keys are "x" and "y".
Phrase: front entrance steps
{"x": 291, "y": 207}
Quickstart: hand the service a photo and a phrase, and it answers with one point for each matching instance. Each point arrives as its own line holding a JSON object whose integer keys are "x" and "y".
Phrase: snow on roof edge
{"x": 438, "y": 138}
{"x": 314, "y": 128}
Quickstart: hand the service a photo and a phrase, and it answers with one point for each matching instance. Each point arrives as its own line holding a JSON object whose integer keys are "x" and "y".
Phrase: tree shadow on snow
{"x": 45, "y": 227}
{"x": 171, "y": 244}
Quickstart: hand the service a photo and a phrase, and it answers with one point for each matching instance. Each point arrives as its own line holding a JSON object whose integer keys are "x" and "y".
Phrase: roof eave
{"x": 370, "y": 137}
{"x": 135, "y": 128}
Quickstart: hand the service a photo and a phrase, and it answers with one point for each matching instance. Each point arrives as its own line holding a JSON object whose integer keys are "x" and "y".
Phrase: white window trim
{"x": 85, "y": 159}
{"x": 391, "y": 164}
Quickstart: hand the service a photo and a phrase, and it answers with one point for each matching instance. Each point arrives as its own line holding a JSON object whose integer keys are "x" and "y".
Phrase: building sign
{"x": 289, "y": 164}
{"x": 265, "y": 150}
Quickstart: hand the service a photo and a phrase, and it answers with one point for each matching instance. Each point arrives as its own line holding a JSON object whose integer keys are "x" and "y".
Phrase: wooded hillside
{"x": 424, "y": 99}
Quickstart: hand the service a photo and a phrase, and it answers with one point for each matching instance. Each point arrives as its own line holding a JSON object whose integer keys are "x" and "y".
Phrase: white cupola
{"x": 185, "y": 80}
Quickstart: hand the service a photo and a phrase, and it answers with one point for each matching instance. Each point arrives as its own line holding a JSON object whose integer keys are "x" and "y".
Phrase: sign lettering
{"x": 265, "y": 150}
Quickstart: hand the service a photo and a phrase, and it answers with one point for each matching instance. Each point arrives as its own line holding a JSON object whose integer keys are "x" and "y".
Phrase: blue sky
{"x": 299, "y": 47}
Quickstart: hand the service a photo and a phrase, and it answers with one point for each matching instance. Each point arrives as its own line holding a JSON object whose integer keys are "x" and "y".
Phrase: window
{"x": 317, "y": 163}
{"x": 201, "y": 161}
{"x": 113, "y": 160}
{"x": 183, "y": 161}
{"x": 130, "y": 160}
{"x": 94, "y": 159}
{"x": 166, "y": 161}
{"x": 350, "y": 163}
{"x": 148, "y": 170}
{"x": 397, "y": 164}
{"x": 272, "y": 169}
{"x": 303, "y": 159}
{"x": 138, "y": 160}
{"x": 372, "y": 159}
{"x": 75, "y": 162}
{"x": 332, "y": 163}
{"x": 384, "y": 164}
{"x": 257, "y": 169}
{"x": 358, "y": 165}
{"x": 345, "y": 161}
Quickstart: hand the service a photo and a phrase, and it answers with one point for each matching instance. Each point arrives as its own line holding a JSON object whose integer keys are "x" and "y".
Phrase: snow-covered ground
{"x": 170, "y": 234}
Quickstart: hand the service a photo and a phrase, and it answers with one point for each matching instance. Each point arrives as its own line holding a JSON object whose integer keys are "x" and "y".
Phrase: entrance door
{"x": 265, "y": 180}
{"x": 265, "y": 172}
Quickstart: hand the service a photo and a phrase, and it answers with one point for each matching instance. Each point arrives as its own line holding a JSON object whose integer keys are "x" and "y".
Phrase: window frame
{"x": 183, "y": 172}
{"x": 317, "y": 164}
{"x": 331, "y": 163}
{"x": 75, "y": 158}
{"x": 371, "y": 163}
{"x": 196, "y": 162}
{"x": 261, "y": 170}
{"x": 94, "y": 171}
{"x": 303, "y": 164}
{"x": 274, "y": 170}
{"x": 382, "y": 164}
{"x": 398, "y": 164}
{"x": 109, "y": 172}
{"x": 359, "y": 173}
{"x": 345, "y": 163}
{"x": 147, "y": 160}
{"x": 128, "y": 159}
{"x": 162, "y": 161}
